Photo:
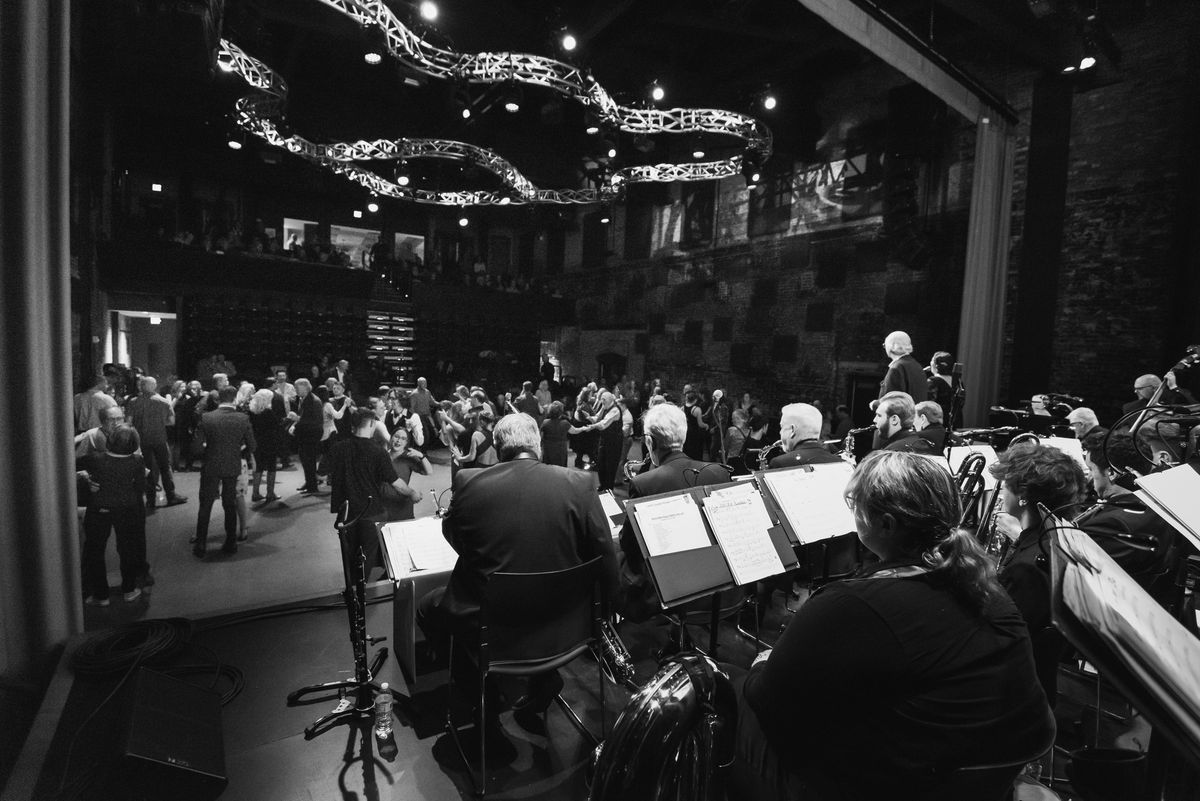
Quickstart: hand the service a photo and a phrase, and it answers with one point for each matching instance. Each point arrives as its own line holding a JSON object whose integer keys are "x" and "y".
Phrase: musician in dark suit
{"x": 928, "y": 424}
{"x": 227, "y": 435}
{"x": 894, "y": 419}
{"x": 665, "y": 430}
{"x": 519, "y": 515}
{"x": 904, "y": 373}
{"x": 800, "y": 427}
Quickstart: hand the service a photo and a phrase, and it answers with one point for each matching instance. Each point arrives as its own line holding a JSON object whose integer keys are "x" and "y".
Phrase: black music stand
{"x": 359, "y": 702}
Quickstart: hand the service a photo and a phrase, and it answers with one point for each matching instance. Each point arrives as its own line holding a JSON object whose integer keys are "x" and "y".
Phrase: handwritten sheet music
{"x": 960, "y": 453}
{"x": 1150, "y": 641}
{"x": 739, "y": 490}
{"x": 670, "y": 525}
{"x": 1071, "y": 447}
{"x": 813, "y": 502}
{"x": 417, "y": 545}
{"x": 741, "y": 524}
{"x": 1174, "y": 495}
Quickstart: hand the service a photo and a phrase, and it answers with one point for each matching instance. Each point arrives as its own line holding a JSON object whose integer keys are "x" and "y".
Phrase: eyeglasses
{"x": 850, "y": 504}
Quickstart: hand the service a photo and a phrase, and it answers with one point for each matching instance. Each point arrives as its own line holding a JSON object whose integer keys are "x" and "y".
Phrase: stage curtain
{"x": 981, "y": 327}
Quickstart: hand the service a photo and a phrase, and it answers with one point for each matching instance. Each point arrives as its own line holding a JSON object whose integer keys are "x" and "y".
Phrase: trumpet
{"x": 764, "y": 455}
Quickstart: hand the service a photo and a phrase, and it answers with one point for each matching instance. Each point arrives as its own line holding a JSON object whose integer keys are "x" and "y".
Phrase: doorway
{"x": 149, "y": 340}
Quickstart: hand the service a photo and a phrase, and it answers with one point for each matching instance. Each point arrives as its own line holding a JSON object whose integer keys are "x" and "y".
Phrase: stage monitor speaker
{"x": 172, "y": 745}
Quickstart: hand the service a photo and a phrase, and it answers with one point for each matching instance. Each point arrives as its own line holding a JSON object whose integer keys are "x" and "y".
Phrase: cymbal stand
{"x": 356, "y": 697}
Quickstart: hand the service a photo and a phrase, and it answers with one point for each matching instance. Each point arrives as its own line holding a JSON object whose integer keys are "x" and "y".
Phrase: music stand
{"x": 360, "y": 700}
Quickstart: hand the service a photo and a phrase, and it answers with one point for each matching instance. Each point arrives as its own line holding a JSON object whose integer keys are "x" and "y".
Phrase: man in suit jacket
{"x": 226, "y": 433}
{"x": 665, "y": 430}
{"x": 800, "y": 428}
{"x": 522, "y": 516}
{"x": 341, "y": 372}
{"x": 928, "y": 424}
{"x": 904, "y": 373}
{"x": 894, "y": 418}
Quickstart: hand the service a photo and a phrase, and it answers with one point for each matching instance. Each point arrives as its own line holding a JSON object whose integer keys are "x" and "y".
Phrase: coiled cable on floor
{"x": 131, "y": 645}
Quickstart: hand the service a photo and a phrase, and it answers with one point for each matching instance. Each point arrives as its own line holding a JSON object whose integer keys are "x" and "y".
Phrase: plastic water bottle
{"x": 383, "y": 713}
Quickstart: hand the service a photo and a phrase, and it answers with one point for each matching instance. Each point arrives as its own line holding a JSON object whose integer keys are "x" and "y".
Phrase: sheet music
{"x": 738, "y": 490}
{"x": 418, "y": 544}
{"x": 960, "y": 453}
{"x": 671, "y": 525}
{"x": 741, "y": 524}
{"x": 1175, "y": 493}
{"x": 1071, "y": 447}
{"x": 813, "y": 502}
{"x": 1124, "y": 615}
{"x": 613, "y": 512}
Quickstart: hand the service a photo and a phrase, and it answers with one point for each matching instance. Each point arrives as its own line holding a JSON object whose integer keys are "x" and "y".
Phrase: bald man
{"x": 800, "y": 428}
{"x": 904, "y": 373}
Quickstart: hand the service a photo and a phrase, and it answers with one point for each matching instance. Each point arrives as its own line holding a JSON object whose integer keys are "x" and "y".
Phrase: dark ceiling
{"x": 705, "y": 53}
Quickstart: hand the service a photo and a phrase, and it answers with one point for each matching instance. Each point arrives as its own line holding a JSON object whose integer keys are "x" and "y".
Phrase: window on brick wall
{"x": 902, "y": 298}
{"x": 741, "y": 357}
{"x": 722, "y": 329}
{"x": 783, "y": 348}
{"x": 766, "y": 290}
{"x": 771, "y": 204}
{"x": 818, "y": 317}
{"x": 832, "y": 265}
{"x": 657, "y": 323}
{"x": 693, "y": 332}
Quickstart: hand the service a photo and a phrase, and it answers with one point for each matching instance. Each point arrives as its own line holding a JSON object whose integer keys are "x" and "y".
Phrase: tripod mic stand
{"x": 356, "y": 697}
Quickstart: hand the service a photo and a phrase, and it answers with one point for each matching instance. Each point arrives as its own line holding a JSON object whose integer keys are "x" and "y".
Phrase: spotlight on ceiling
{"x": 429, "y": 10}
{"x": 225, "y": 63}
{"x": 504, "y": 201}
{"x": 357, "y": 214}
{"x": 568, "y": 42}
{"x": 372, "y": 58}
{"x": 234, "y": 143}
{"x": 403, "y": 180}
{"x": 372, "y": 207}
{"x": 1087, "y": 62}
{"x": 697, "y": 149}
{"x": 1068, "y": 69}
{"x": 466, "y": 113}
{"x": 769, "y": 101}
{"x": 155, "y": 187}
{"x": 657, "y": 93}
{"x": 592, "y": 130}
{"x": 511, "y": 97}
{"x": 605, "y": 217}
{"x": 402, "y": 176}
{"x": 463, "y": 222}
{"x": 752, "y": 169}
{"x": 612, "y": 152}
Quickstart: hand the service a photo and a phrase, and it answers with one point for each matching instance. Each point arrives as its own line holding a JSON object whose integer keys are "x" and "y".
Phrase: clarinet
{"x": 355, "y": 596}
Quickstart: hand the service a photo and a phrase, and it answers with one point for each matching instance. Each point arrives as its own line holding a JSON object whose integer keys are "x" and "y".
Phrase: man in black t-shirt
{"x": 358, "y": 469}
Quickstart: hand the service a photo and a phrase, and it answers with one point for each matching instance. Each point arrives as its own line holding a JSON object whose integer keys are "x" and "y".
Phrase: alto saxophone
{"x": 632, "y": 467}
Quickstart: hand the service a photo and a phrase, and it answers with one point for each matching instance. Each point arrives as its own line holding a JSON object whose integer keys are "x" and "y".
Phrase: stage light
{"x": 466, "y": 113}
{"x": 463, "y": 222}
{"x": 372, "y": 58}
{"x": 357, "y": 214}
{"x": 155, "y": 187}
{"x": 697, "y": 149}
{"x": 511, "y": 98}
{"x": 592, "y": 130}
{"x": 429, "y": 10}
{"x": 568, "y": 42}
{"x": 504, "y": 201}
{"x": 1068, "y": 69}
{"x": 235, "y": 144}
{"x": 225, "y": 62}
{"x": 605, "y": 220}
{"x": 769, "y": 102}
{"x": 372, "y": 207}
{"x": 512, "y": 106}
{"x": 612, "y": 152}
{"x": 1087, "y": 62}
{"x": 402, "y": 177}
{"x": 657, "y": 93}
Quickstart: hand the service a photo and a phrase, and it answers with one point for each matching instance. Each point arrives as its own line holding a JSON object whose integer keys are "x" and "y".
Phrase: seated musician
{"x": 800, "y": 428}
{"x": 1029, "y": 474}
{"x": 894, "y": 418}
{"x": 884, "y": 683}
{"x": 665, "y": 429}
{"x": 1133, "y": 535}
{"x": 520, "y": 515}
{"x": 928, "y": 425}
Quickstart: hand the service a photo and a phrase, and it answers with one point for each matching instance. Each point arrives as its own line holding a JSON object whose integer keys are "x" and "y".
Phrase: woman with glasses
{"x": 883, "y": 685}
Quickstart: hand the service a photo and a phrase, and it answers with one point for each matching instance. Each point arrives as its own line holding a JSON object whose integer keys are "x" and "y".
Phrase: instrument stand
{"x": 356, "y": 697}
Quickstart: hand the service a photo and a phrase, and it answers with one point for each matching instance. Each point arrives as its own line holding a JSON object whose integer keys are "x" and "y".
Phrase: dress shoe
{"x": 272, "y": 498}
{"x": 175, "y": 500}
{"x": 199, "y": 552}
{"x": 257, "y": 498}
{"x": 243, "y": 536}
{"x": 230, "y": 547}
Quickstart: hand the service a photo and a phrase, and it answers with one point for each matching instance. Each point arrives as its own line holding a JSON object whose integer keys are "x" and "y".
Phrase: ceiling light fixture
{"x": 612, "y": 152}
{"x": 1087, "y": 62}
{"x": 463, "y": 222}
{"x": 769, "y": 102}
{"x": 1068, "y": 69}
{"x": 569, "y": 42}
{"x": 511, "y": 97}
{"x": 592, "y": 130}
{"x": 357, "y": 214}
{"x": 234, "y": 144}
{"x": 657, "y": 93}
{"x": 372, "y": 207}
{"x": 372, "y": 58}
{"x": 429, "y": 10}
{"x": 155, "y": 187}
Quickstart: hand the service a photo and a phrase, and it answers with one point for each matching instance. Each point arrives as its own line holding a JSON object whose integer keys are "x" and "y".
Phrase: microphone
{"x": 856, "y": 431}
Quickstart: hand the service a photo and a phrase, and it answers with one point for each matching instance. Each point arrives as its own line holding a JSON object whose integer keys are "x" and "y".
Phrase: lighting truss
{"x": 260, "y": 112}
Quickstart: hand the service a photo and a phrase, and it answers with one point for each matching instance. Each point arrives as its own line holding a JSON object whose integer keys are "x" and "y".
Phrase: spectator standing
{"x": 118, "y": 479}
{"x": 150, "y": 414}
{"x": 267, "y": 415}
{"x": 90, "y": 403}
{"x": 227, "y": 435}
{"x": 307, "y": 427}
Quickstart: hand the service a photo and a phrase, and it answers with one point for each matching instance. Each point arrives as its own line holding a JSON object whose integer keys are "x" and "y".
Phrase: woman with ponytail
{"x": 884, "y": 684}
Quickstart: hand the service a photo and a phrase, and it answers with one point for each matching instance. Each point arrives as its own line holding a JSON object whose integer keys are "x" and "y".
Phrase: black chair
{"x": 531, "y": 623}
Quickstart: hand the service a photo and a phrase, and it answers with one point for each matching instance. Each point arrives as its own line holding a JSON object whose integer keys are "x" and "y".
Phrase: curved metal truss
{"x": 260, "y": 114}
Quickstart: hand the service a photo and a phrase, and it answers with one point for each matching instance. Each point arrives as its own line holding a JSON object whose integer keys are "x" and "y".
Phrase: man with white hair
{"x": 800, "y": 429}
{"x": 1083, "y": 421}
{"x": 904, "y": 373}
{"x": 151, "y": 414}
{"x": 517, "y": 516}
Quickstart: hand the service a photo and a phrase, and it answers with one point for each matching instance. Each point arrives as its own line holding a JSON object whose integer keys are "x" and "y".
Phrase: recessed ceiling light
{"x": 372, "y": 58}
{"x": 612, "y": 152}
{"x": 463, "y": 222}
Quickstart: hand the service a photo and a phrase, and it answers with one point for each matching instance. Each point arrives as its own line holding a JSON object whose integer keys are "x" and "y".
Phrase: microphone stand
{"x": 360, "y": 701}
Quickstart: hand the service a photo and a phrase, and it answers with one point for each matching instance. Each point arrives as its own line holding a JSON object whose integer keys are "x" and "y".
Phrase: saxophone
{"x": 764, "y": 455}
{"x": 632, "y": 467}
{"x": 995, "y": 542}
{"x": 847, "y": 452}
